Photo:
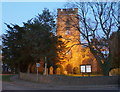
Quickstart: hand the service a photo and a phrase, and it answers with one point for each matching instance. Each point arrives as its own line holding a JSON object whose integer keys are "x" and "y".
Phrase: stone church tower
{"x": 67, "y": 23}
{"x": 68, "y": 33}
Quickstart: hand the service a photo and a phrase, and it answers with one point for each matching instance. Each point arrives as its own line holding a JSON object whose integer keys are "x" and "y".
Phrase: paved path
{"x": 18, "y": 84}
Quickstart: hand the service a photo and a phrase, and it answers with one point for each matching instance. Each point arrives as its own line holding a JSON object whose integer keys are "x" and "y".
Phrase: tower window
{"x": 67, "y": 22}
{"x": 67, "y": 28}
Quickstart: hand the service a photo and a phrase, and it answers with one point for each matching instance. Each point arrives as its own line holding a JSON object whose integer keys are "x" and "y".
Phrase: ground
{"x": 18, "y": 84}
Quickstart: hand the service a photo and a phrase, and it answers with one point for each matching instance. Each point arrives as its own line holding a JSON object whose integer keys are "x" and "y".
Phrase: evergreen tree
{"x": 26, "y": 45}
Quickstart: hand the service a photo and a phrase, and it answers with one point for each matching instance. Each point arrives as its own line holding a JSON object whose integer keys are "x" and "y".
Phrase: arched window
{"x": 67, "y": 22}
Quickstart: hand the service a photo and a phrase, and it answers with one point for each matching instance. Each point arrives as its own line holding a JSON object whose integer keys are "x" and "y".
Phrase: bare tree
{"x": 97, "y": 21}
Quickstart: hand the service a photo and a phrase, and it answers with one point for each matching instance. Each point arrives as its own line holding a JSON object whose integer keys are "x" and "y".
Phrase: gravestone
{"x": 69, "y": 69}
{"x": 58, "y": 71}
{"x": 51, "y": 70}
{"x": 41, "y": 68}
{"x": 76, "y": 70}
{"x": 65, "y": 73}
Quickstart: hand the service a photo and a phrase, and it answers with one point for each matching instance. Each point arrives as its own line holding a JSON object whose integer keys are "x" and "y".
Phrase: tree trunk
{"x": 105, "y": 70}
{"x": 105, "y": 67}
{"x": 18, "y": 70}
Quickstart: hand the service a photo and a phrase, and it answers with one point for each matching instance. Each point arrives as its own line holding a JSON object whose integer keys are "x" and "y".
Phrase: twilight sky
{"x": 18, "y": 12}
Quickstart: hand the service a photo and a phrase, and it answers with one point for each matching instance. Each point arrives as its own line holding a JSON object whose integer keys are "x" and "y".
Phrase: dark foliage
{"x": 28, "y": 44}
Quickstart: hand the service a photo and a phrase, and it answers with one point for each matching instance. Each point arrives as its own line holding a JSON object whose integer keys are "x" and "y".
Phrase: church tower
{"x": 68, "y": 23}
{"x": 74, "y": 54}
{"x": 67, "y": 30}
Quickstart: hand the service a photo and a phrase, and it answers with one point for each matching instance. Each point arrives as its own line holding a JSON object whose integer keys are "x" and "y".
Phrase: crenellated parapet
{"x": 67, "y": 11}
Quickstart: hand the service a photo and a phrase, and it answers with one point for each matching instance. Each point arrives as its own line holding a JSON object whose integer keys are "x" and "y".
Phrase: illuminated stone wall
{"x": 75, "y": 55}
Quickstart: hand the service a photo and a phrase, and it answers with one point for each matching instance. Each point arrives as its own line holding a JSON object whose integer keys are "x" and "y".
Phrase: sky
{"x": 19, "y": 12}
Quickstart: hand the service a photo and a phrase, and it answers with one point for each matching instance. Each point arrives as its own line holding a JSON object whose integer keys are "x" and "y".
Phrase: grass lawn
{"x": 6, "y": 77}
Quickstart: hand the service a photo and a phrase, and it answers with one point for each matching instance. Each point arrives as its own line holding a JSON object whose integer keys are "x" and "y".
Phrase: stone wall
{"x": 69, "y": 80}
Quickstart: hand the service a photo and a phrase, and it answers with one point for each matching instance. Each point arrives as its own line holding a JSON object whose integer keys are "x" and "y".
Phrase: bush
{"x": 114, "y": 72}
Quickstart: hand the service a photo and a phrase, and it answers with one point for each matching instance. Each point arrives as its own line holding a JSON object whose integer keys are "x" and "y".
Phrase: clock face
{"x": 67, "y": 32}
